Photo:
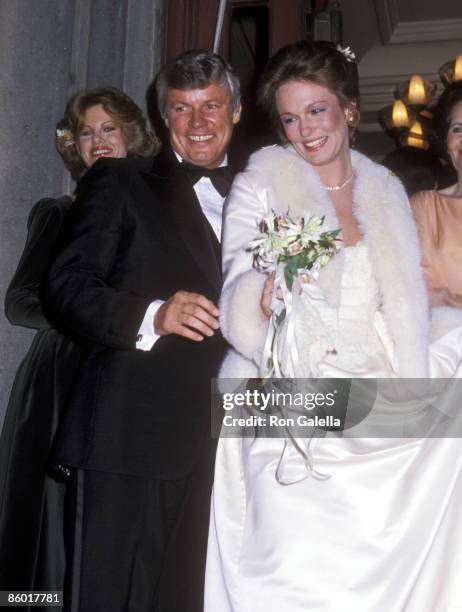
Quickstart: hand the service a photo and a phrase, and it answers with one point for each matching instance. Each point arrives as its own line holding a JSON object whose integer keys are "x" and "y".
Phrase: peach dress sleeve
{"x": 439, "y": 223}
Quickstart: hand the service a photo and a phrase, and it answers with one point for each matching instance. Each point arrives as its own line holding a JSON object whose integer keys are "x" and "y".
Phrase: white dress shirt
{"x": 212, "y": 206}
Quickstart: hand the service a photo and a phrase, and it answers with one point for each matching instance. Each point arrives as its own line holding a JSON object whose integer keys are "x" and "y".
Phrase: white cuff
{"x": 147, "y": 337}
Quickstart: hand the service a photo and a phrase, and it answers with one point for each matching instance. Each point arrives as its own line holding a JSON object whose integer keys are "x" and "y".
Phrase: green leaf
{"x": 280, "y": 318}
{"x": 289, "y": 277}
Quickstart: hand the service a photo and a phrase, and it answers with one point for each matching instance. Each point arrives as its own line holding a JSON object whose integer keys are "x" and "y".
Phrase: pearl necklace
{"x": 340, "y": 187}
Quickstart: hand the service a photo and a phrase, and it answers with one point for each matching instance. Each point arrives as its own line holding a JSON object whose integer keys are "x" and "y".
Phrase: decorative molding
{"x": 383, "y": 67}
{"x": 393, "y": 31}
{"x": 425, "y": 31}
{"x": 377, "y": 92}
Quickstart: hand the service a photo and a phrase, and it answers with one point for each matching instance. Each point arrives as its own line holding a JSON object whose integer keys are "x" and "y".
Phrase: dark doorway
{"x": 248, "y": 53}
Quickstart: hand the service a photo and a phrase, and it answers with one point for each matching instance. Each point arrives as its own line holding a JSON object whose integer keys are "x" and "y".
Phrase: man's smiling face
{"x": 201, "y": 122}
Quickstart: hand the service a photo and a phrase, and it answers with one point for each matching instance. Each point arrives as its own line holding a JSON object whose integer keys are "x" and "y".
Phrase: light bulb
{"x": 416, "y": 92}
{"x": 399, "y": 114}
{"x": 458, "y": 68}
{"x": 415, "y": 138}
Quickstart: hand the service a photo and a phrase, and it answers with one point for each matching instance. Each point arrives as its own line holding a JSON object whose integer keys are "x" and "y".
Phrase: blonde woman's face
{"x": 454, "y": 139}
{"x": 100, "y": 136}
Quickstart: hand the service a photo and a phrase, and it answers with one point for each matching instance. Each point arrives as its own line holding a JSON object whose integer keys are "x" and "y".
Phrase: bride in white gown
{"x": 366, "y": 524}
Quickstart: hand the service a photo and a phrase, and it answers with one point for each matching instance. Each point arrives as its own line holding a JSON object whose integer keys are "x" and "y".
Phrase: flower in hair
{"x": 66, "y": 135}
{"x": 347, "y": 53}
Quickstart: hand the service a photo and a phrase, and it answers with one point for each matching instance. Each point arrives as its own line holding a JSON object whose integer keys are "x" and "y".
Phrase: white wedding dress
{"x": 372, "y": 524}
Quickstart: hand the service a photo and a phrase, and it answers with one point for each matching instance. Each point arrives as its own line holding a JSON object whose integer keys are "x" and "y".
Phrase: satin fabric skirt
{"x": 381, "y": 534}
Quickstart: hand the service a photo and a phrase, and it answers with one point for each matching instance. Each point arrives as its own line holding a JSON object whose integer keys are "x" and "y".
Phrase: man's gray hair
{"x": 196, "y": 69}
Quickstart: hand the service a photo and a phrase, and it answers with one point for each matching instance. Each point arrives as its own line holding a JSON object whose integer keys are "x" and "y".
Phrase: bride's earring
{"x": 352, "y": 116}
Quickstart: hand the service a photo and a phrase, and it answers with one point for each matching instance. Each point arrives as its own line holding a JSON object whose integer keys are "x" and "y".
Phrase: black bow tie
{"x": 221, "y": 177}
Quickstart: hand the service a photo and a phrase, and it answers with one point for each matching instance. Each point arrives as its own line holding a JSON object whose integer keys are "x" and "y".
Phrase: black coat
{"x": 137, "y": 233}
{"x": 31, "y": 502}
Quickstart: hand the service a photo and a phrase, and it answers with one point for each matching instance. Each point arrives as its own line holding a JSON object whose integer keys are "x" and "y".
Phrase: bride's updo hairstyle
{"x": 319, "y": 62}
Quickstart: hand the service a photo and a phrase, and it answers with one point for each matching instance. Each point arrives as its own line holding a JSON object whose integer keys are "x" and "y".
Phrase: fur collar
{"x": 382, "y": 210}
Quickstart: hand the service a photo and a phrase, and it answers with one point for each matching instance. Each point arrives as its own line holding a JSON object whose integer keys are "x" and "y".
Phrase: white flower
{"x": 282, "y": 238}
{"x": 347, "y": 53}
{"x": 323, "y": 259}
{"x": 312, "y": 230}
{"x": 299, "y": 246}
{"x": 295, "y": 248}
{"x": 66, "y": 134}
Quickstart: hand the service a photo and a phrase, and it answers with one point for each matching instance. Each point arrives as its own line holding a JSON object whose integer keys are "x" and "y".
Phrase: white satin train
{"x": 382, "y": 534}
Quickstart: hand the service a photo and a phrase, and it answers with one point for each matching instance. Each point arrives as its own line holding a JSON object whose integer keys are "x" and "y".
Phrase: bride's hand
{"x": 304, "y": 278}
{"x": 265, "y": 300}
{"x": 267, "y": 294}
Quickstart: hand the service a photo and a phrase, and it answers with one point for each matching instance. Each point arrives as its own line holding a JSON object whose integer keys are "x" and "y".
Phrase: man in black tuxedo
{"x": 139, "y": 268}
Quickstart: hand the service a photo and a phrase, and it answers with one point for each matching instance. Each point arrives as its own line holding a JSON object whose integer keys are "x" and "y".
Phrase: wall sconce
{"x": 416, "y": 136}
{"x": 399, "y": 114}
{"x": 413, "y": 107}
{"x": 451, "y": 71}
{"x": 395, "y": 120}
{"x": 417, "y": 92}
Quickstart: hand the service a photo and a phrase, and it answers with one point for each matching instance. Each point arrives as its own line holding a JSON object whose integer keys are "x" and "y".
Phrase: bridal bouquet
{"x": 290, "y": 247}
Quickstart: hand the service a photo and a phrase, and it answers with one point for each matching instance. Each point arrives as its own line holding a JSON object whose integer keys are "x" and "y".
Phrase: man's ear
{"x": 237, "y": 115}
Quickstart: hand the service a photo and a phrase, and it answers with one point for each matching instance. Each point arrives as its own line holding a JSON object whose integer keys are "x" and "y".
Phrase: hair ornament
{"x": 348, "y": 54}
{"x": 66, "y": 135}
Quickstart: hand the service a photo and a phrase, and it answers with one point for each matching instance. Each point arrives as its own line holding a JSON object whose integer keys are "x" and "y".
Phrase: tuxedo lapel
{"x": 175, "y": 193}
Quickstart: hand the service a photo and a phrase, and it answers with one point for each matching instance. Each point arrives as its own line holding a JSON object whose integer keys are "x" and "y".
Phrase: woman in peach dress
{"x": 438, "y": 214}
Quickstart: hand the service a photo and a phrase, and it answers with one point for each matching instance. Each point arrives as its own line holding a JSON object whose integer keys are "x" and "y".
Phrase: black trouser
{"x": 137, "y": 545}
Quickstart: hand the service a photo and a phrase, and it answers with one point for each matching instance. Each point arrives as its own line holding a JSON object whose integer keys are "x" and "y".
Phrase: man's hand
{"x": 186, "y": 314}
